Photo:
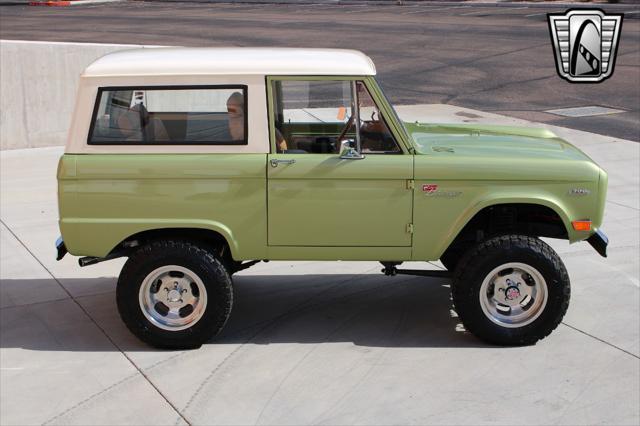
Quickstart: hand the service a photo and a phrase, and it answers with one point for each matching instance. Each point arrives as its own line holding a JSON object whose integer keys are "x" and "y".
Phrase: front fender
{"x": 439, "y": 220}
{"x": 468, "y": 215}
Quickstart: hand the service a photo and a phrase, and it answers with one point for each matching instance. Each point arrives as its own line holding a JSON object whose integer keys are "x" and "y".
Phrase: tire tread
{"x": 185, "y": 339}
{"x": 463, "y": 294}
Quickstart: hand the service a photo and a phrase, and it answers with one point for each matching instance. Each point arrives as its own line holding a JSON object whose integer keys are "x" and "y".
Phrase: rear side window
{"x": 211, "y": 115}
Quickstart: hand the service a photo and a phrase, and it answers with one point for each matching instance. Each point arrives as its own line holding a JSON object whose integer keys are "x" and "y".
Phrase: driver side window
{"x": 319, "y": 117}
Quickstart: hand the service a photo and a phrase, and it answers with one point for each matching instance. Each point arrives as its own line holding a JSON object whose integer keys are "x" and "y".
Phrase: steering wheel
{"x": 374, "y": 123}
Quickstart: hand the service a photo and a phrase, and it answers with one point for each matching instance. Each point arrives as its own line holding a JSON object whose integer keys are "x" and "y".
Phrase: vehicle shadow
{"x": 365, "y": 309}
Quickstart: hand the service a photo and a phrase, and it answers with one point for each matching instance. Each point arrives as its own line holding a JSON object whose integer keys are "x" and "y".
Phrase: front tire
{"x": 451, "y": 258}
{"x": 511, "y": 290}
{"x": 174, "y": 294}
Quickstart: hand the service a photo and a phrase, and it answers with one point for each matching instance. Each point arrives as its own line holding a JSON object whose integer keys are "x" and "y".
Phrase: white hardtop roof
{"x": 230, "y": 61}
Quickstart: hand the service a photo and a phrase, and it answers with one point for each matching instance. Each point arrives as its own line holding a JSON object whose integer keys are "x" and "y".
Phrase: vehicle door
{"x": 337, "y": 177}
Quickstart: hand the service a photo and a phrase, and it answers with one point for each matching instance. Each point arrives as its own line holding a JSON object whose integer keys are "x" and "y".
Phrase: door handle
{"x": 274, "y": 162}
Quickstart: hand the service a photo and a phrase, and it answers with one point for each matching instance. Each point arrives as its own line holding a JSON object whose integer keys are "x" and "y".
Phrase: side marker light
{"x": 581, "y": 225}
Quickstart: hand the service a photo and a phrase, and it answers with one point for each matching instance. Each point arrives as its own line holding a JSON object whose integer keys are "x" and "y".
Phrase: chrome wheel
{"x": 513, "y": 295}
{"x": 173, "y": 297}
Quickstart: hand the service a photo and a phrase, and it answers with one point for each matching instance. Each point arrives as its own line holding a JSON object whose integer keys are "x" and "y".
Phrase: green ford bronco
{"x": 196, "y": 163}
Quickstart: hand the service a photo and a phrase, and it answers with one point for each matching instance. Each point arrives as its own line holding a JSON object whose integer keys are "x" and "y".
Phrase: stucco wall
{"x": 38, "y": 82}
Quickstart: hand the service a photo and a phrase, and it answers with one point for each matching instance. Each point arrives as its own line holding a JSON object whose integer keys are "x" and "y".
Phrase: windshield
{"x": 323, "y": 116}
{"x": 393, "y": 109}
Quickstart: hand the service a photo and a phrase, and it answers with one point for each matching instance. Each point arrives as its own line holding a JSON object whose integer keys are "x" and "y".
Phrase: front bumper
{"x": 599, "y": 242}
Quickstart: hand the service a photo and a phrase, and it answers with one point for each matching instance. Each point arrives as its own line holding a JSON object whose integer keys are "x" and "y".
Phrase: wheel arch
{"x": 532, "y": 217}
{"x": 217, "y": 236}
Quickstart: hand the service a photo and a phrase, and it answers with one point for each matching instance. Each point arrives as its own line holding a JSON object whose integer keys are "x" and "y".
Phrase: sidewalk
{"x": 313, "y": 342}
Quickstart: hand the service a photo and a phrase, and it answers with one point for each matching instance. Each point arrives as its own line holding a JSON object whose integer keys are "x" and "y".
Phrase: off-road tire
{"x": 202, "y": 262}
{"x": 479, "y": 261}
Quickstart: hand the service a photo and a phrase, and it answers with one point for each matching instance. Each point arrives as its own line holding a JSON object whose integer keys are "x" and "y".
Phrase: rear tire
{"x": 511, "y": 290}
{"x": 174, "y": 294}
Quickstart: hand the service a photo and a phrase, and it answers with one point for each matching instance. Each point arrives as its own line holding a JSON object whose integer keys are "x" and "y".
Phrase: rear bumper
{"x": 599, "y": 242}
{"x": 61, "y": 248}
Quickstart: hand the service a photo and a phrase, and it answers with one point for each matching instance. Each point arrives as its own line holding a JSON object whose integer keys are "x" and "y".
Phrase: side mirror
{"x": 348, "y": 152}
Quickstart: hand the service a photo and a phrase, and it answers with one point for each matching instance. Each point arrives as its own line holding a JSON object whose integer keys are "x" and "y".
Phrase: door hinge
{"x": 409, "y": 228}
{"x": 411, "y": 184}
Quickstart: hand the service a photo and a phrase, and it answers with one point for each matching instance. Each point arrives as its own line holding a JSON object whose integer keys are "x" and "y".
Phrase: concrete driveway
{"x": 312, "y": 342}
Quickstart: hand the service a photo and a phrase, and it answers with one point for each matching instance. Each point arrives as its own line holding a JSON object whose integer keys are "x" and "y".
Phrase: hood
{"x": 490, "y": 140}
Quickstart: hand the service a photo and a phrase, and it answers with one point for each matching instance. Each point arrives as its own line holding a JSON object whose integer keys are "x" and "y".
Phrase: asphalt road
{"x": 492, "y": 57}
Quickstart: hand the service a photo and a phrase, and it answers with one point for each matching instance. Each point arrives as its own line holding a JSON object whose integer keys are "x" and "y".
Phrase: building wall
{"x": 38, "y": 83}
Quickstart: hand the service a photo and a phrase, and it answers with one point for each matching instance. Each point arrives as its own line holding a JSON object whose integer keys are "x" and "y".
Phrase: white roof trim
{"x": 231, "y": 61}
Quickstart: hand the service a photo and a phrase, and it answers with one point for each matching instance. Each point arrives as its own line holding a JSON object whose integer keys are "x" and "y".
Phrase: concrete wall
{"x": 38, "y": 83}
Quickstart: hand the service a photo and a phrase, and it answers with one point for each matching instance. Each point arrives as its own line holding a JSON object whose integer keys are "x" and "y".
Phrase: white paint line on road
{"x": 474, "y": 12}
{"x": 227, "y": 7}
{"x": 492, "y": 9}
{"x": 338, "y": 7}
{"x": 252, "y": 9}
{"x": 431, "y": 10}
{"x": 317, "y": 5}
{"x": 367, "y": 10}
{"x": 535, "y": 14}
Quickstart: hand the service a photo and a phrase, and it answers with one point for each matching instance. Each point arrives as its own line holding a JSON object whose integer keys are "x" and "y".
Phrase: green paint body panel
{"x": 482, "y": 165}
{"x": 110, "y": 197}
{"x": 322, "y": 207}
{"x": 322, "y": 200}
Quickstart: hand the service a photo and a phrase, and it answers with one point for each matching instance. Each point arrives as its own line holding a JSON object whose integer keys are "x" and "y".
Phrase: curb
{"x": 343, "y": 2}
{"x": 50, "y": 3}
{"x": 69, "y": 2}
{"x": 483, "y": 3}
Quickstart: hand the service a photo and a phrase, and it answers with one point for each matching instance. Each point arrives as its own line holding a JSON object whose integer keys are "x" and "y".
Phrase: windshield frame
{"x": 396, "y": 125}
